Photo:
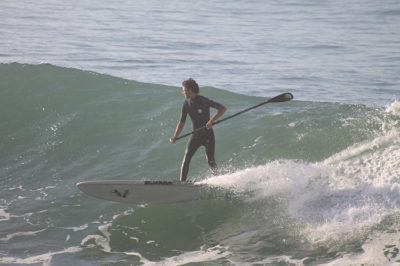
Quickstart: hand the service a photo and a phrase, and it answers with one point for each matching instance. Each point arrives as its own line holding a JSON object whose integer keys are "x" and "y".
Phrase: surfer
{"x": 198, "y": 108}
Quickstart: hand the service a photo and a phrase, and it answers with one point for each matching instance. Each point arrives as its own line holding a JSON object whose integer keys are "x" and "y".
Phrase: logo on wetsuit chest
{"x": 200, "y": 111}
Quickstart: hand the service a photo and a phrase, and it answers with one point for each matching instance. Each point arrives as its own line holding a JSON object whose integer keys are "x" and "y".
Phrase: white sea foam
{"x": 43, "y": 259}
{"x": 92, "y": 241}
{"x": 380, "y": 249}
{"x": 202, "y": 255}
{"x": 393, "y": 108}
{"x": 103, "y": 240}
{"x": 338, "y": 199}
{"x": 277, "y": 260}
{"x": 20, "y": 234}
{"x": 77, "y": 228}
{"x": 4, "y": 216}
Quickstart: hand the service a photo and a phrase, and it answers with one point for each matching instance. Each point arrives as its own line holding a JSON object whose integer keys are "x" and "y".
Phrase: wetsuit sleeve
{"x": 183, "y": 113}
{"x": 214, "y": 104}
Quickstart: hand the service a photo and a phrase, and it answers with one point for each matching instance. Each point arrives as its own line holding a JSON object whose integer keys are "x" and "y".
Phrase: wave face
{"x": 315, "y": 182}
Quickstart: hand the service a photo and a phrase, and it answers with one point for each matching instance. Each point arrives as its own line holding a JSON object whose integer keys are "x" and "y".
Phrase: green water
{"x": 312, "y": 179}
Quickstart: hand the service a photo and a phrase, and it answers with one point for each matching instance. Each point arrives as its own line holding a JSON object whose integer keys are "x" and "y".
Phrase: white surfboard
{"x": 146, "y": 192}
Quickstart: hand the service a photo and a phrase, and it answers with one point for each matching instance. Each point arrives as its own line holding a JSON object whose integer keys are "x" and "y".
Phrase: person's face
{"x": 188, "y": 93}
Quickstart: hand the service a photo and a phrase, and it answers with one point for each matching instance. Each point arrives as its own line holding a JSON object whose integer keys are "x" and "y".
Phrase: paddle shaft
{"x": 280, "y": 98}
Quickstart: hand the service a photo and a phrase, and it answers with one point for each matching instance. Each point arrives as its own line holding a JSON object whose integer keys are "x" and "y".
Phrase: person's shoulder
{"x": 211, "y": 103}
{"x": 203, "y": 98}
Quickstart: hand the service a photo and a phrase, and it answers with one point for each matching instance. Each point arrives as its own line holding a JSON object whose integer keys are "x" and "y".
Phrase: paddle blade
{"x": 284, "y": 97}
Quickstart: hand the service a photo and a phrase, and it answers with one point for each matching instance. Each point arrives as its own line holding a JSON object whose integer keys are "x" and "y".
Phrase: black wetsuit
{"x": 199, "y": 112}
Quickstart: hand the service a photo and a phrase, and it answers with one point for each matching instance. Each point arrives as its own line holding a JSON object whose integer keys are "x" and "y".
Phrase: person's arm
{"x": 178, "y": 131}
{"x": 221, "y": 111}
{"x": 181, "y": 123}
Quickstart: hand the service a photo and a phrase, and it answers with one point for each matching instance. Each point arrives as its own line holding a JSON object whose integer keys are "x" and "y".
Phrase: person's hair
{"x": 191, "y": 84}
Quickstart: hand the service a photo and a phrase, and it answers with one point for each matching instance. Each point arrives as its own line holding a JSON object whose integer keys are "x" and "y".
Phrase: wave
{"x": 315, "y": 174}
{"x": 66, "y": 116}
{"x": 336, "y": 202}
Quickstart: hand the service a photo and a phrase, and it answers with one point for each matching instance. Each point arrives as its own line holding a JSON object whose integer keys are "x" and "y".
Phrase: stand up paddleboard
{"x": 140, "y": 192}
{"x": 147, "y": 192}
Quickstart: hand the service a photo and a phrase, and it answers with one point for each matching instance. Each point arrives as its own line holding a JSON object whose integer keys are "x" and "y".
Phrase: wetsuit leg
{"x": 210, "y": 150}
{"x": 191, "y": 147}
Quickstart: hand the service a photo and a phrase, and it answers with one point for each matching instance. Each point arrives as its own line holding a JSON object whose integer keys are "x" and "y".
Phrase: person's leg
{"x": 210, "y": 150}
{"x": 191, "y": 147}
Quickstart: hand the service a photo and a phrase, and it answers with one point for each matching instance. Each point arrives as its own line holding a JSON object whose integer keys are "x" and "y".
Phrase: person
{"x": 198, "y": 108}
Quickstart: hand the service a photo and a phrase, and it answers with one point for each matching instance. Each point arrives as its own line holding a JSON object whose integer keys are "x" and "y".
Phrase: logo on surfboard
{"x": 121, "y": 194}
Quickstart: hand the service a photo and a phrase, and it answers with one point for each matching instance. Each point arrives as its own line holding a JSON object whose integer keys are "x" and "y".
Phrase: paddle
{"x": 284, "y": 97}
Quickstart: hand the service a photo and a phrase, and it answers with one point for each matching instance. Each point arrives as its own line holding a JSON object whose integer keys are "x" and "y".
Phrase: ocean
{"x": 92, "y": 91}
